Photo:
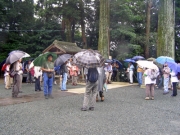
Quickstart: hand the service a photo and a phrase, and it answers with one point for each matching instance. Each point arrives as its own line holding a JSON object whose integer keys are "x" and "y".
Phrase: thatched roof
{"x": 61, "y": 47}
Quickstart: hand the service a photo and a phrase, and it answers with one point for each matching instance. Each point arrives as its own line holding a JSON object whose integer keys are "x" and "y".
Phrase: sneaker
{"x": 91, "y": 108}
{"x": 147, "y": 98}
{"x": 46, "y": 97}
{"x": 152, "y": 98}
{"x": 83, "y": 109}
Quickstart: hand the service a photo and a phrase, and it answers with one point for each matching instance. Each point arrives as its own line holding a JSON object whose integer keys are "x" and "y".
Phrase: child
{"x": 74, "y": 73}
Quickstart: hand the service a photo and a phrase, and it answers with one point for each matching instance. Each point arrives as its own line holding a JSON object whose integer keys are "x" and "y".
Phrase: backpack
{"x": 61, "y": 71}
{"x": 4, "y": 67}
{"x": 153, "y": 75}
{"x": 92, "y": 75}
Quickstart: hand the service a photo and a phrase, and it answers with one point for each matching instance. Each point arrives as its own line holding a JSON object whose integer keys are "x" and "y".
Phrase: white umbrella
{"x": 26, "y": 55}
{"x": 15, "y": 56}
{"x": 147, "y": 64}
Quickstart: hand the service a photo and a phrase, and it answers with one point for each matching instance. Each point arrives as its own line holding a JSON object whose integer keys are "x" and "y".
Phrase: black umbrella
{"x": 62, "y": 59}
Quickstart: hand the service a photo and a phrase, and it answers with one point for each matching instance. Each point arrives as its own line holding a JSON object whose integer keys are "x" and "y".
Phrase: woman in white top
{"x": 7, "y": 77}
{"x": 37, "y": 76}
{"x": 149, "y": 84}
{"x": 174, "y": 81}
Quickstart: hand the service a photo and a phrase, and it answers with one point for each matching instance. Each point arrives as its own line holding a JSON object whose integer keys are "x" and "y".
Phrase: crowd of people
{"x": 96, "y": 78}
{"x": 163, "y": 77}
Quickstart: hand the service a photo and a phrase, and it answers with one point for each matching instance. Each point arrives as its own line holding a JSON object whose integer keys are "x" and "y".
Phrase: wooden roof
{"x": 60, "y": 47}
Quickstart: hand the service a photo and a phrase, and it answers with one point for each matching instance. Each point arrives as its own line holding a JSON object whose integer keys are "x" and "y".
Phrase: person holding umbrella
{"x": 139, "y": 75}
{"x": 48, "y": 71}
{"x": 150, "y": 81}
{"x": 16, "y": 67}
{"x": 91, "y": 60}
{"x": 64, "y": 73}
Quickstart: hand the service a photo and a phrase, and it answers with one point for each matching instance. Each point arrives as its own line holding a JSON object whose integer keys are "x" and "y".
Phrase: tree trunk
{"x": 83, "y": 25}
{"x": 103, "y": 43}
{"x": 148, "y": 25}
{"x": 68, "y": 31}
{"x": 166, "y": 23}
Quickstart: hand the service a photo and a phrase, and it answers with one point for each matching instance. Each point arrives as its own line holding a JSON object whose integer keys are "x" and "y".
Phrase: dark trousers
{"x": 174, "y": 88}
{"x": 114, "y": 75}
{"x": 37, "y": 84}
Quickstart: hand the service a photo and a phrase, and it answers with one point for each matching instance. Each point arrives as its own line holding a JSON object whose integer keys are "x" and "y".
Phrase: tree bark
{"x": 68, "y": 31}
{"x": 148, "y": 25}
{"x": 83, "y": 25}
{"x": 166, "y": 24}
{"x": 103, "y": 42}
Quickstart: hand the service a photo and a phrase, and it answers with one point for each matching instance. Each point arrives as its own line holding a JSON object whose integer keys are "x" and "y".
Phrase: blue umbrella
{"x": 178, "y": 68}
{"x": 173, "y": 66}
{"x": 129, "y": 60}
{"x": 118, "y": 62}
{"x": 136, "y": 58}
{"x": 164, "y": 59}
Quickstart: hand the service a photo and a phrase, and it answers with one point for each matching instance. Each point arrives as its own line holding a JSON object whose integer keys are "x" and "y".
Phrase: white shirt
{"x": 37, "y": 71}
{"x": 69, "y": 65}
{"x": 174, "y": 77}
{"x": 108, "y": 68}
{"x": 7, "y": 70}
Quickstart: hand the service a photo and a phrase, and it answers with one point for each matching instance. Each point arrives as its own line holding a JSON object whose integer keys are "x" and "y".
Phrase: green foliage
{"x": 32, "y": 27}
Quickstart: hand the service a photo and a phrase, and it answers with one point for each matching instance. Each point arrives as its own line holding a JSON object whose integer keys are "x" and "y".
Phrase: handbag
{"x": 12, "y": 73}
{"x": 49, "y": 74}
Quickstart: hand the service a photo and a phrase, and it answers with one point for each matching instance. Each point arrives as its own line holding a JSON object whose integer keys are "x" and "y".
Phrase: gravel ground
{"x": 124, "y": 112}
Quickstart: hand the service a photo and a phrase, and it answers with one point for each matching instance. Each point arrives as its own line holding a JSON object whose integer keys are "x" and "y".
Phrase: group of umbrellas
{"x": 92, "y": 58}
{"x": 85, "y": 58}
{"x": 153, "y": 63}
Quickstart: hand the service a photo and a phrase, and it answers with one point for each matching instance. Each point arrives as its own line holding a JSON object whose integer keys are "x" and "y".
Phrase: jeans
{"x": 64, "y": 81}
{"x": 37, "y": 83}
{"x": 139, "y": 77}
{"x": 48, "y": 83}
{"x": 166, "y": 82}
{"x": 29, "y": 77}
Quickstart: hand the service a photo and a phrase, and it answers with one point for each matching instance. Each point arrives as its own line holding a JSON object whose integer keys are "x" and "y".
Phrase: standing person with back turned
{"x": 48, "y": 71}
{"x": 139, "y": 75}
{"x": 91, "y": 89}
{"x": 64, "y": 72}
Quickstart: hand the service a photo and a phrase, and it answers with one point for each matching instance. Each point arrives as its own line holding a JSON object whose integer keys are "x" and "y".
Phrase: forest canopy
{"x": 31, "y": 26}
